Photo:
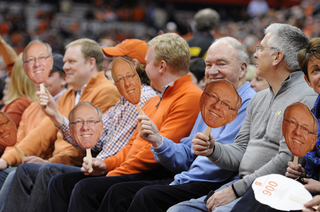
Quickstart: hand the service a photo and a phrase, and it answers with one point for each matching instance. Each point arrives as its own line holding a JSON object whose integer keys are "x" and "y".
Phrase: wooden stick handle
{"x": 20, "y": 153}
{"x": 295, "y": 160}
{"x": 42, "y": 87}
{"x": 89, "y": 157}
{"x": 207, "y": 132}
{"x": 139, "y": 109}
{"x": 300, "y": 200}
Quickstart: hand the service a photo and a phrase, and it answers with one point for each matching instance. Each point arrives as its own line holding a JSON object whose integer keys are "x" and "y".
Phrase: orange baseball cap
{"x": 133, "y": 48}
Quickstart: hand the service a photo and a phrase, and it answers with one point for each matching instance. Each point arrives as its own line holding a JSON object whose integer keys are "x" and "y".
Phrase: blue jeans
{"x": 4, "y": 173}
{"x": 29, "y": 185}
{"x": 196, "y": 205}
{"x": 5, "y": 188}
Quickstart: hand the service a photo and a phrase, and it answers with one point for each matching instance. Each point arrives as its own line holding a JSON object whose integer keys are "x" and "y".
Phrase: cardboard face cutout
{"x": 8, "y": 130}
{"x": 218, "y": 103}
{"x": 85, "y": 128}
{"x": 126, "y": 79}
{"x": 299, "y": 128}
{"x": 37, "y": 62}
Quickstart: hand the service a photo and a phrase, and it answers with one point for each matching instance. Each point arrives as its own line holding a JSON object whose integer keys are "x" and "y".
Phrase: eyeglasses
{"x": 40, "y": 59}
{"x": 214, "y": 99}
{"x": 129, "y": 78}
{"x": 294, "y": 125}
{"x": 80, "y": 123}
{"x": 260, "y": 48}
{"x": 4, "y": 123}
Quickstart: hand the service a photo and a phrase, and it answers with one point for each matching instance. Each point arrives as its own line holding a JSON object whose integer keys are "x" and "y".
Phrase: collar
{"x": 56, "y": 97}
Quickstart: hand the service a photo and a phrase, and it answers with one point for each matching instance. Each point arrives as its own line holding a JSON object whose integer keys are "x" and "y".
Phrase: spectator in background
{"x": 21, "y": 92}
{"x": 258, "y": 83}
{"x": 206, "y": 21}
{"x": 197, "y": 71}
{"x": 257, "y": 8}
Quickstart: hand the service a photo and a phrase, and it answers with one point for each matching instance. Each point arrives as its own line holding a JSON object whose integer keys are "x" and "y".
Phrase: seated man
{"x": 261, "y": 130}
{"x": 309, "y": 64}
{"x": 119, "y": 124}
{"x": 197, "y": 174}
{"x": 174, "y": 115}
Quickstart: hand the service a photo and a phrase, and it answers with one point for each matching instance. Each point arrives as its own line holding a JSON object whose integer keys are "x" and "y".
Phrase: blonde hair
{"x": 20, "y": 84}
{"x": 174, "y": 50}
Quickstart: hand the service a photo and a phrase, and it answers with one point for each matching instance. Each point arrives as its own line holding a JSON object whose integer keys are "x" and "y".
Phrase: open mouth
{"x": 130, "y": 91}
{"x": 86, "y": 136}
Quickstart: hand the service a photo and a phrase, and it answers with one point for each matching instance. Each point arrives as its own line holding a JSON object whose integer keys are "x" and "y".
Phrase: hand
{"x": 49, "y": 107}
{"x": 149, "y": 131}
{"x": 294, "y": 171}
{"x": 221, "y": 198}
{"x": 314, "y": 202}
{"x": 313, "y": 186}
{"x": 98, "y": 166}
{"x": 35, "y": 159}
{"x": 202, "y": 144}
{"x": 3, "y": 164}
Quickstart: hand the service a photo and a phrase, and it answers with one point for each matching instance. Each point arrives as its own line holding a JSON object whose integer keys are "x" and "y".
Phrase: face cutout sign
{"x": 219, "y": 103}
{"x": 8, "y": 130}
{"x": 299, "y": 128}
{"x": 85, "y": 125}
{"x": 37, "y": 62}
{"x": 126, "y": 79}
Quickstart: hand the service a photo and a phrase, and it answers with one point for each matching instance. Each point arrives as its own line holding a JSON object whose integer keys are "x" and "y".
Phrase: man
{"x": 299, "y": 129}
{"x": 261, "y": 131}
{"x": 85, "y": 123}
{"x": 32, "y": 116}
{"x": 197, "y": 175}
{"x": 119, "y": 124}
{"x": 206, "y": 20}
{"x": 219, "y": 91}
{"x": 174, "y": 114}
{"x": 197, "y": 71}
{"x": 83, "y": 63}
{"x": 37, "y": 65}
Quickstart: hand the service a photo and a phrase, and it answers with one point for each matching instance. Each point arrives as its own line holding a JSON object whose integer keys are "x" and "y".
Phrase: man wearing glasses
{"x": 259, "y": 148}
{"x": 227, "y": 60}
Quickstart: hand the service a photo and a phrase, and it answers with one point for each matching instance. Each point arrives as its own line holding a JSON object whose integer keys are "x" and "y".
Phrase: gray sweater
{"x": 259, "y": 147}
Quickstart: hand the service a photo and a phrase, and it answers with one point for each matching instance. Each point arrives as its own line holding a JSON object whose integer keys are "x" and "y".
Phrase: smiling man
{"x": 85, "y": 124}
{"x": 8, "y": 131}
{"x": 219, "y": 103}
{"x": 35, "y": 63}
{"x": 127, "y": 79}
{"x": 259, "y": 148}
{"x": 226, "y": 59}
{"x": 299, "y": 128}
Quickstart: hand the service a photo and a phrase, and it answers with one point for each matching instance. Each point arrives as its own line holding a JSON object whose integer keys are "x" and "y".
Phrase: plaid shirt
{"x": 119, "y": 124}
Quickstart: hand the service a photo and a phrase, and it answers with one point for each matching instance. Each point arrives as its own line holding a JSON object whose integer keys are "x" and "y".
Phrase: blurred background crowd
{"x": 111, "y": 21}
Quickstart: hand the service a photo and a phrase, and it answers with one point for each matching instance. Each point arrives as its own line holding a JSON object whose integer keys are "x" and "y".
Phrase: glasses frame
{"x": 32, "y": 61}
{"x": 4, "y": 123}
{"x": 260, "y": 48}
{"x": 302, "y": 128}
{"x": 217, "y": 99}
{"x": 78, "y": 122}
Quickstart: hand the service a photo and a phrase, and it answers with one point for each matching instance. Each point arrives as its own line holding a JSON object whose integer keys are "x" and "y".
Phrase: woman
{"x": 21, "y": 92}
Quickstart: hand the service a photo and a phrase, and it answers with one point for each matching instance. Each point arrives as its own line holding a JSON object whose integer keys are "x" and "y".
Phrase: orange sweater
{"x": 47, "y": 142}
{"x": 16, "y": 108}
{"x": 174, "y": 115}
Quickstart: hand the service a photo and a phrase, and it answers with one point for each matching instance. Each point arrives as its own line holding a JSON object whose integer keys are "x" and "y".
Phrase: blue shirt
{"x": 181, "y": 158}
